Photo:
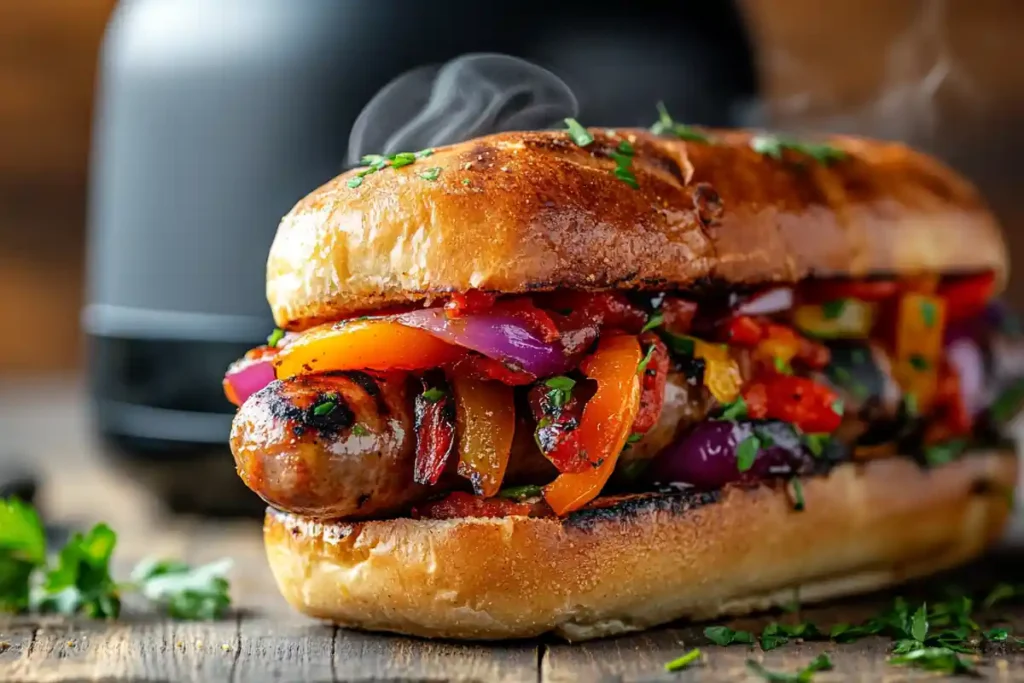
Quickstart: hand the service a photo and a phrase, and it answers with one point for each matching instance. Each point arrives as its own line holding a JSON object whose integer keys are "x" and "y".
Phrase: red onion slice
{"x": 245, "y": 377}
{"x": 771, "y": 301}
{"x": 497, "y": 335}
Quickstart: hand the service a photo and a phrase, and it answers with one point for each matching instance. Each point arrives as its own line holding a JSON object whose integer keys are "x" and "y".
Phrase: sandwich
{"x": 590, "y": 381}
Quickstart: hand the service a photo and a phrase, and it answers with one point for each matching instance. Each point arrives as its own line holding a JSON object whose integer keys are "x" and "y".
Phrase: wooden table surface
{"x": 262, "y": 640}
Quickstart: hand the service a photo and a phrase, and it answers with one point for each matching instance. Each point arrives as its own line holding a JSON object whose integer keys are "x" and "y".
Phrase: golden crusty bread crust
{"x": 644, "y": 562}
{"x": 518, "y": 212}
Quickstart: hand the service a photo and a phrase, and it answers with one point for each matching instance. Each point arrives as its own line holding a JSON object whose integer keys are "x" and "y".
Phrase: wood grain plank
{"x": 293, "y": 651}
{"x": 369, "y": 657}
{"x": 147, "y": 650}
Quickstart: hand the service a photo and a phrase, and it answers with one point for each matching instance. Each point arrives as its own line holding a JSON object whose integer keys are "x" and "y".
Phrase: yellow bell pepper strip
{"x": 374, "y": 344}
{"x": 920, "y": 322}
{"x": 485, "y": 420}
{"x": 606, "y": 422}
{"x": 837, "y": 319}
{"x": 721, "y": 373}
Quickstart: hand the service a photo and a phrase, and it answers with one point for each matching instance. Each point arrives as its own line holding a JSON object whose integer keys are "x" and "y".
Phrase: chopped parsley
{"x": 521, "y": 492}
{"x": 402, "y": 159}
{"x": 773, "y": 145}
{"x": 378, "y": 162}
{"x": 359, "y": 430}
{"x": 797, "y": 492}
{"x": 431, "y": 173}
{"x": 682, "y": 662}
{"x": 833, "y": 309}
{"x": 275, "y": 337}
{"x": 623, "y": 170}
{"x": 561, "y": 389}
{"x": 642, "y": 365}
{"x": 326, "y": 405}
{"x": 942, "y": 453}
{"x": 746, "y": 452}
{"x": 723, "y": 635}
{"x": 919, "y": 362}
{"x": 680, "y": 344}
{"x": 735, "y": 410}
{"x": 782, "y": 366}
{"x": 816, "y": 443}
{"x": 928, "y": 313}
{"x": 837, "y": 407}
{"x": 580, "y": 135}
{"x": 654, "y": 321}
{"x": 665, "y": 125}
{"x": 433, "y": 394}
{"x": 465, "y": 181}
{"x": 634, "y": 437}
{"x": 805, "y": 675}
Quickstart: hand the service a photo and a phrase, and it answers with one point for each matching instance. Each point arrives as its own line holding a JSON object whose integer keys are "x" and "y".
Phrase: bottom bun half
{"x": 644, "y": 561}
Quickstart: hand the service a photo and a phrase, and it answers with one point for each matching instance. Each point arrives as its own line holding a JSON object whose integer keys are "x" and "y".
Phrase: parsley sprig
{"x": 773, "y": 146}
{"x": 79, "y": 580}
{"x": 666, "y": 125}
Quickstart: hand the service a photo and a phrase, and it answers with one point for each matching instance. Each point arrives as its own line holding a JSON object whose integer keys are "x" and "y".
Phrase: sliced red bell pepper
{"x": 606, "y": 423}
{"x": 812, "y": 407}
{"x": 743, "y": 330}
{"x": 652, "y": 383}
{"x": 557, "y": 412}
{"x": 967, "y": 296}
{"x": 460, "y": 504}
{"x": 435, "y": 433}
{"x": 485, "y": 421}
{"x": 374, "y": 344}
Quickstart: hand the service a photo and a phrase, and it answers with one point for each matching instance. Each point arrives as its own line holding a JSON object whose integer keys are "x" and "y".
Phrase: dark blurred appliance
{"x": 213, "y": 118}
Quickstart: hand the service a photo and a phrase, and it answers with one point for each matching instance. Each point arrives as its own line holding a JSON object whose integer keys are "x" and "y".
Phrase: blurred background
{"x": 148, "y": 148}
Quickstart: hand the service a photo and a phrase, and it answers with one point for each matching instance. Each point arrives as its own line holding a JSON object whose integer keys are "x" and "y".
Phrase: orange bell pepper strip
{"x": 485, "y": 421}
{"x": 606, "y": 422}
{"x": 374, "y": 344}
{"x": 919, "y": 329}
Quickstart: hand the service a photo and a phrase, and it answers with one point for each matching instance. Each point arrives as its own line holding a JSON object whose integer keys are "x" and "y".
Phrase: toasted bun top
{"x": 519, "y": 212}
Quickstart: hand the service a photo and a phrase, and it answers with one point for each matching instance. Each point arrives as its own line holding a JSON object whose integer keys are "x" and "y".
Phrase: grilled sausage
{"x": 330, "y": 446}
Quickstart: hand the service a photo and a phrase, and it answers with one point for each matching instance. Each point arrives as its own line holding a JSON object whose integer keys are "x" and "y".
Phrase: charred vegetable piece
{"x": 434, "y": 412}
{"x": 557, "y": 408}
{"x": 653, "y": 376}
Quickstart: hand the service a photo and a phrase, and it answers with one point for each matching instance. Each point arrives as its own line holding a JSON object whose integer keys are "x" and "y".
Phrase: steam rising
{"x": 919, "y": 68}
{"x": 470, "y": 96}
